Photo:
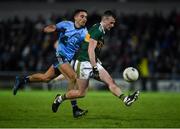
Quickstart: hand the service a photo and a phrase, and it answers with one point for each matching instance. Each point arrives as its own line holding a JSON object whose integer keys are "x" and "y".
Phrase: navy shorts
{"x": 59, "y": 60}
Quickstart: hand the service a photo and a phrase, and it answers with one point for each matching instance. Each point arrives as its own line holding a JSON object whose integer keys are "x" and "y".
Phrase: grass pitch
{"x": 33, "y": 109}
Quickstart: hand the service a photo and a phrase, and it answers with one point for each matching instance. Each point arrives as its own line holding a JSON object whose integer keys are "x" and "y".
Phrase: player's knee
{"x": 72, "y": 78}
{"x": 81, "y": 94}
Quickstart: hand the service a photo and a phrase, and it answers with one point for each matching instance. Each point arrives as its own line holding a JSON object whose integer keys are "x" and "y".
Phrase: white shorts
{"x": 84, "y": 68}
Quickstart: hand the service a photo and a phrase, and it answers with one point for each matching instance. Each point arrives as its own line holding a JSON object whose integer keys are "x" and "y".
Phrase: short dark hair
{"x": 78, "y": 11}
{"x": 109, "y": 13}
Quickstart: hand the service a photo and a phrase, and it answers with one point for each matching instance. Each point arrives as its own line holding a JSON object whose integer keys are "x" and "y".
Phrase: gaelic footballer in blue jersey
{"x": 70, "y": 37}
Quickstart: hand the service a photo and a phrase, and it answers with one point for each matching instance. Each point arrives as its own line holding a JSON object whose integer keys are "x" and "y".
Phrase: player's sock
{"x": 122, "y": 96}
{"x": 78, "y": 112}
{"x": 74, "y": 103}
{"x": 26, "y": 80}
{"x": 63, "y": 97}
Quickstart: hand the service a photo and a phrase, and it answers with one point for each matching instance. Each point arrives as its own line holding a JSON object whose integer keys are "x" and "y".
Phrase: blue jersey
{"x": 70, "y": 39}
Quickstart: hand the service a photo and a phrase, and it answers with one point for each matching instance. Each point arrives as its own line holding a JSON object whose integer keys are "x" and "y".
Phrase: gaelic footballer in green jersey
{"x": 97, "y": 33}
{"x": 86, "y": 63}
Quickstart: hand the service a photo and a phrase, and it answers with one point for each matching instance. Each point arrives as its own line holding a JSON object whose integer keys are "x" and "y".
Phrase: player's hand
{"x": 95, "y": 73}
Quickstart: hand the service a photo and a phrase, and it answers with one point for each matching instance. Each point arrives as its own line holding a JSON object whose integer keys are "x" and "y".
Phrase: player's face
{"x": 81, "y": 18}
{"x": 109, "y": 23}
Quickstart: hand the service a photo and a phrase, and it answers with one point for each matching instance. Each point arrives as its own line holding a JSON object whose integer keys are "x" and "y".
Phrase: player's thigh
{"x": 50, "y": 73}
{"x": 105, "y": 76}
{"x": 68, "y": 71}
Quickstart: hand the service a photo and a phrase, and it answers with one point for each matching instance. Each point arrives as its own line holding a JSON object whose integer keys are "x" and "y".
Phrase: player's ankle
{"x": 75, "y": 107}
{"x": 26, "y": 79}
{"x": 63, "y": 97}
{"x": 122, "y": 96}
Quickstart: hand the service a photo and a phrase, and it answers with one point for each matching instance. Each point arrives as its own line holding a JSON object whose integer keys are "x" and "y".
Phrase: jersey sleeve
{"x": 84, "y": 34}
{"x": 60, "y": 25}
{"x": 95, "y": 34}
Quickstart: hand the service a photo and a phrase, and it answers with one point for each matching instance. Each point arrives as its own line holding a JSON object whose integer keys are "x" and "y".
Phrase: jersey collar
{"x": 102, "y": 27}
{"x": 78, "y": 28}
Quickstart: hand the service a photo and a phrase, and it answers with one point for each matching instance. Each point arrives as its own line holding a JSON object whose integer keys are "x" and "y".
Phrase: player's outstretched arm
{"x": 92, "y": 57}
{"x": 49, "y": 28}
{"x": 91, "y": 51}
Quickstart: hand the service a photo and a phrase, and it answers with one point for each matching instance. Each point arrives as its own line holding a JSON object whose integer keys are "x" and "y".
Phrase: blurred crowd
{"x": 149, "y": 42}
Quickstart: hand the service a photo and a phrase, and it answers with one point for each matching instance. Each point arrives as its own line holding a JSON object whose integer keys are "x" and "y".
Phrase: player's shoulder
{"x": 65, "y": 24}
{"x": 101, "y": 29}
{"x": 68, "y": 23}
{"x": 97, "y": 28}
{"x": 84, "y": 29}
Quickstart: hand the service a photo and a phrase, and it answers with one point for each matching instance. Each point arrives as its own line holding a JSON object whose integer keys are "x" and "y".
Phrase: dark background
{"x": 146, "y": 36}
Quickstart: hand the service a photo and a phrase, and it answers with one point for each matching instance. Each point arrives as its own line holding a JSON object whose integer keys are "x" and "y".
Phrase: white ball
{"x": 130, "y": 74}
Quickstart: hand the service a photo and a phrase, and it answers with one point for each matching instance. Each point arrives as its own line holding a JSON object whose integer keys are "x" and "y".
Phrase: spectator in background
{"x": 135, "y": 34}
{"x": 144, "y": 72}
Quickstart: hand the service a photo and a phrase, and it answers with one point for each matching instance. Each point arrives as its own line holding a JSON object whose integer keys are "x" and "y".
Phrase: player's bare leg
{"x": 82, "y": 89}
{"x": 38, "y": 77}
{"x": 43, "y": 77}
{"x": 105, "y": 77}
{"x": 75, "y": 87}
{"x": 70, "y": 74}
{"x": 128, "y": 100}
{"x": 80, "y": 92}
{"x": 83, "y": 84}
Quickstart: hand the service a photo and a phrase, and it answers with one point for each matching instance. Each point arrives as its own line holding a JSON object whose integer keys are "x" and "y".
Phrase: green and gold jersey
{"x": 97, "y": 33}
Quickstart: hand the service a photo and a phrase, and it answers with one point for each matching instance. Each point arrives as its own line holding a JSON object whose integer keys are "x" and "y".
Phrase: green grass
{"x": 33, "y": 109}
